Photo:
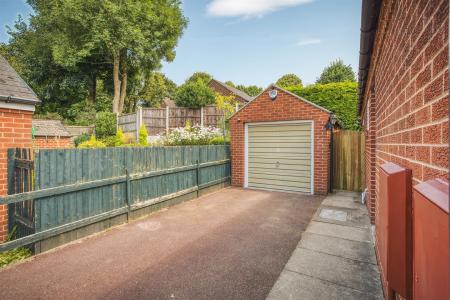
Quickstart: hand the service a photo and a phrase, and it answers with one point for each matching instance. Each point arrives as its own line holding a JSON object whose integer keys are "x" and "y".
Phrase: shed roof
{"x": 12, "y": 86}
{"x": 235, "y": 91}
{"x": 49, "y": 128}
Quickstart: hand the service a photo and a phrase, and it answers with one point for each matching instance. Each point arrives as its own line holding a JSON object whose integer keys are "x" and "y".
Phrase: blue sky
{"x": 254, "y": 41}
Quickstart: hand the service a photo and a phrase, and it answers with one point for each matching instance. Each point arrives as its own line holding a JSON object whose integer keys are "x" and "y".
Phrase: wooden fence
{"x": 75, "y": 188}
{"x": 160, "y": 120}
{"x": 348, "y": 161}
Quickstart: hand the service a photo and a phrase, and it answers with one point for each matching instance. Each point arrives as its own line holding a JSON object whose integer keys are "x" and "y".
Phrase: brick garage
{"x": 17, "y": 103}
{"x": 404, "y": 98}
{"x": 286, "y": 107}
{"x": 51, "y": 134}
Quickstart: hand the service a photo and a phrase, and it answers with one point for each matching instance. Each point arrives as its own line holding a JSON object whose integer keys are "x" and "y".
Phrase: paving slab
{"x": 340, "y": 231}
{"x": 361, "y": 251}
{"x": 295, "y": 286}
{"x": 342, "y": 201}
{"x": 349, "y": 273}
{"x": 343, "y": 216}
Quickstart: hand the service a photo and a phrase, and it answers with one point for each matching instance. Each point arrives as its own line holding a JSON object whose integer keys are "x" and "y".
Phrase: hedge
{"x": 341, "y": 98}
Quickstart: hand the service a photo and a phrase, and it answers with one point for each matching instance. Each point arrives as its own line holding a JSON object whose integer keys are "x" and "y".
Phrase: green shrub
{"x": 194, "y": 95}
{"x": 114, "y": 140}
{"x": 143, "y": 135}
{"x": 341, "y": 98}
{"x": 92, "y": 143}
{"x": 220, "y": 140}
{"x": 14, "y": 255}
{"x": 105, "y": 124}
{"x": 120, "y": 136}
{"x": 81, "y": 139}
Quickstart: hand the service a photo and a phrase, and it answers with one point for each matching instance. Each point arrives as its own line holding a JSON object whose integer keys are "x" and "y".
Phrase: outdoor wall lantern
{"x": 273, "y": 94}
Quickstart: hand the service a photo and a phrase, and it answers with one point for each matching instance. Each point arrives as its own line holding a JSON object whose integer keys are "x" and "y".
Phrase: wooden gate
{"x": 348, "y": 160}
{"x": 20, "y": 180}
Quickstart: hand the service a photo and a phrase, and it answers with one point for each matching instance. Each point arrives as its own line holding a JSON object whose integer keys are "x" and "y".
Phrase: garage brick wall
{"x": 405, "y": 108}
{"x": 285, "y": 108}
{"x": 15, "y": 131}
{"x": 51, "y": 142}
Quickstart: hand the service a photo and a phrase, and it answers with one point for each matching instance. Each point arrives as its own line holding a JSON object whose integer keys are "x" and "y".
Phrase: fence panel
{"x": 127, "y": 123}
{"x": 158, "y": 120}
{"x": 154, "y": 120}
{"x": 348, "y": 160}
{"x": 79, "y": 187}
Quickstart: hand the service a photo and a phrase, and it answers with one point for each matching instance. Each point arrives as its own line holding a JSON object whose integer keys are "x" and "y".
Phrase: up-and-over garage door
{"x": 279, "y": 156}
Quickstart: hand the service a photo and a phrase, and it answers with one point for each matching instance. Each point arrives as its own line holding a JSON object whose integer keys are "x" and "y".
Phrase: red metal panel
{"x": 394, "y": 230}
{"x": 431, "y": 240}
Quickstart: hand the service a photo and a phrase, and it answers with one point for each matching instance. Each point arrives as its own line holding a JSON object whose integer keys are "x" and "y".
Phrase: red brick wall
{"x": 42, "y": 142}
{"x": 15, "y": 131}
{"x": 409, "y": 86}
{"x": 285, "y": 108}
{"x": 225, "y": 92}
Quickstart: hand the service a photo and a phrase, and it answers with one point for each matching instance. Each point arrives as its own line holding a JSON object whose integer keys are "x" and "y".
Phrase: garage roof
{"x": 50, "y": 128}
{"x": 272, "y": 86}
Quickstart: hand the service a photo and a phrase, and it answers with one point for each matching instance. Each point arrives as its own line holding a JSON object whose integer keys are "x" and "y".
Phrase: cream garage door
{"x": 279, "y": 156}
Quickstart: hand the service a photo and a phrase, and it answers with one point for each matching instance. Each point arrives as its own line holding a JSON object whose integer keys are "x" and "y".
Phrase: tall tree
{"x": 251, "y": 90}
{"x": 202, "y": 76}
{"x": 128, "y": 34}
{"x": 337, "y": 71}
{"x": 289, "y": 80}
{"x": 157, "y": 87}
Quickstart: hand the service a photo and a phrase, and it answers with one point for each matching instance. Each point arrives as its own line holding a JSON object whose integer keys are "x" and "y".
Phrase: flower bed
{"x": 195, "y": 135}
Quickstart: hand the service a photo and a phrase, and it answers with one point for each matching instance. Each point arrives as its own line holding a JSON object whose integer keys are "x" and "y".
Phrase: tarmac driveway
{"x": 232, "y": 244}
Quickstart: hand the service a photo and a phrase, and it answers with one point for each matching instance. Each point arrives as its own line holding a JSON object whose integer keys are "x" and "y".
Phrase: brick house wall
{"x": 285, "y": 108}
{"x": 15, "y": 131}
{"x": 43, "y": 142}
{"x": 405, "y": 105}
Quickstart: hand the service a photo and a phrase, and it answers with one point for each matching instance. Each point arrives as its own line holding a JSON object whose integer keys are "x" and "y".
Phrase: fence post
{"x": 197, "y": 177}
{"x": 202, "y": 115}
{"x": 138, "y": 121}
{"x": 167, "y": 119}
{"x": 128, "y": 193}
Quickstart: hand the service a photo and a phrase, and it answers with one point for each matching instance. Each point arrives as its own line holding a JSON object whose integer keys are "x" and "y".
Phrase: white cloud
{"x": 309, "y": 42}
{"x": 249, "y": 8}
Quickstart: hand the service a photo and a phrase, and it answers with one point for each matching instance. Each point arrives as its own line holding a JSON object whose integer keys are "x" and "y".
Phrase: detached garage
{"x": 279, "y": 142}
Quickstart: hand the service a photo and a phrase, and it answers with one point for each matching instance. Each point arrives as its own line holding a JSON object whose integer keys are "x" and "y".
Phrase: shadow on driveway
{"x": 230, "y": 244}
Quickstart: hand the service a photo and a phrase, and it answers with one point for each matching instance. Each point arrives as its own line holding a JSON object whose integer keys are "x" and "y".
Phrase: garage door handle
{"x": 277, "y": 164}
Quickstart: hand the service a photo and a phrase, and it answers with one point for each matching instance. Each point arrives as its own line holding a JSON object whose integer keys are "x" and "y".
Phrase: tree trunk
{"x": 123, "y": 87}
{"x": 117, "y": 83}
{"x": 92, "y": 88}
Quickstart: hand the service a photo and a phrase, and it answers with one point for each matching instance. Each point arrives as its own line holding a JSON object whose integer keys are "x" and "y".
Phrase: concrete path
{"x": 335, "y": 258}
{"x": 232, "y": 244}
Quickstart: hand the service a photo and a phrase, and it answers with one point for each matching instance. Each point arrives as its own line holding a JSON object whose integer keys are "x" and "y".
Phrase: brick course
{"x": 405, "y": 110}
{"x": 15, "y": 131}
{"x": 285, "y": 108}
{"x": 42, "y": 142}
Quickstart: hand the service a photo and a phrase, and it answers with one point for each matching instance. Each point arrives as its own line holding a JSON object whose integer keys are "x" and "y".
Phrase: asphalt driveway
{"x": 232, "y": 244}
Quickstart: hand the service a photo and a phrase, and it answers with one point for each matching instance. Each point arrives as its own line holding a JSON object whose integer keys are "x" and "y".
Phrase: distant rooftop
{"x": 12, "y": 86}
{"x": 50, "y": 128}
{"x": 235, "y": 91}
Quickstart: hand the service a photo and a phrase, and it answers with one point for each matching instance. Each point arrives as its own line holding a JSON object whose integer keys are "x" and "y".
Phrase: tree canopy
{"x": 129, "y": 36}
{"x": 157, "y": 87}
{"x": 337, "y": 71}
{"x": 194, "y": 94}
{"x": 202, "y": 76}
{"x": 289, "y": 80}
{"x": 251, "y": 90}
